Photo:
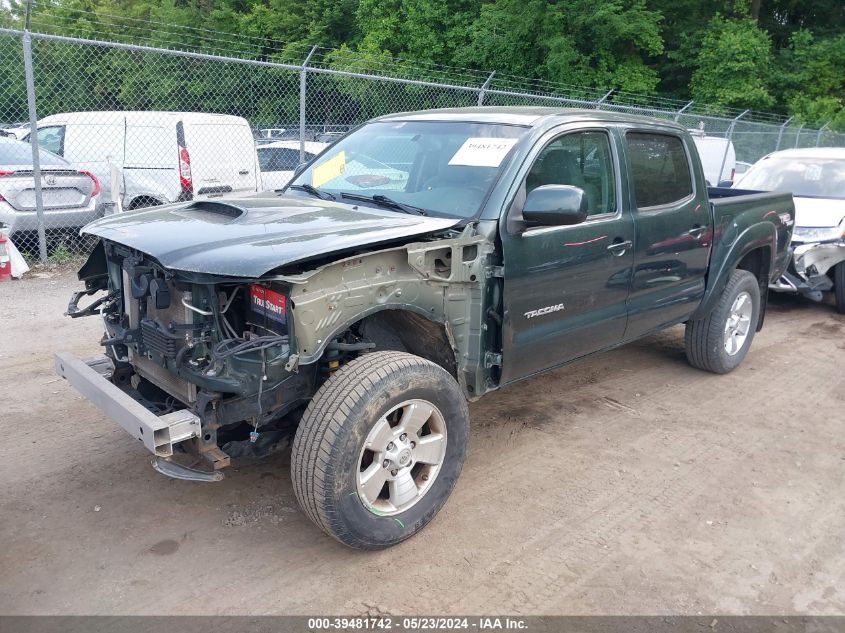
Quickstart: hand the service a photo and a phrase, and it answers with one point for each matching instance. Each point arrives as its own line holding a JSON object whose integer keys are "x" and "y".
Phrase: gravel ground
{"x": 628, "y": 483}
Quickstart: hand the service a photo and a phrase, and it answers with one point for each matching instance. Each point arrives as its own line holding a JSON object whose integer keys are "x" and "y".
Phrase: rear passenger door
{"x": 673, "y": 231}
{"x": 565, "y": 286}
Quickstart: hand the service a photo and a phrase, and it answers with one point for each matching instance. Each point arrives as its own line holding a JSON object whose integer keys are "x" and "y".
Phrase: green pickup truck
{"x": 421, "y": 261}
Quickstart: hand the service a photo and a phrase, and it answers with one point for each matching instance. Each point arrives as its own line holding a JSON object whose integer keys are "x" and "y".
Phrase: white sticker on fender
{"x": 483, "y": 152}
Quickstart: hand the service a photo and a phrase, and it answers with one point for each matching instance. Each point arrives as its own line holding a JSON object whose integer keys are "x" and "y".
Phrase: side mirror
{"x": 555, "y": 205}
{"x": 726, "y": 184}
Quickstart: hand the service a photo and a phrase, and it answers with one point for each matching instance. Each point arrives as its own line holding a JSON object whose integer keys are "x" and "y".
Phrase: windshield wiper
{"x": 322, "y": 195}
{"x": 387, "y": 203}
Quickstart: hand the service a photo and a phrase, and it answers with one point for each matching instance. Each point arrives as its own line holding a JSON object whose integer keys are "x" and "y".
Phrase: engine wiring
{"x": 237, "y": 346}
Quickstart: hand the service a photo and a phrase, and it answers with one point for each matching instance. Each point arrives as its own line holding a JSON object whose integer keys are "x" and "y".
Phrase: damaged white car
{"x": 816, "y": 177}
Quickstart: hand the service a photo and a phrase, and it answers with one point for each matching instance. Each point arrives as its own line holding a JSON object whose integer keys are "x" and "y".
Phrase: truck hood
{"x": 249, "y": 237}
{"x": 818, "y": 212}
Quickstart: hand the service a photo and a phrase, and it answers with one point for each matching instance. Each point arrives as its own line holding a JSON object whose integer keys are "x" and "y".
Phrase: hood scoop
{"x": 212, "y": 211}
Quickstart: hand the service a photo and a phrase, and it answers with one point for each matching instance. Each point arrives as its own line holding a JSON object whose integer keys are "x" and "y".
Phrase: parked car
{"x": 741, "y": 168}
{"x": 279, "y": 159}
{"x": 329, "y": 137}
{"x": 816, "y": 177}
{"x": 163, "y": 156}
{"x": 270, "y": 134}
{"x": 15, "y": 130}
{"x": 718, "y": 157}
{"x": 69, "y": 194}
{"x": 523, "y": 239}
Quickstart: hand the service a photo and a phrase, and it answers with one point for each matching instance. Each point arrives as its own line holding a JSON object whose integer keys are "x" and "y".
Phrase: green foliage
{"x": 578, "y": 42}
{"x": 811, "y": 79}
{"x": 734, "y": 65}
{"x": 790, "y": 59}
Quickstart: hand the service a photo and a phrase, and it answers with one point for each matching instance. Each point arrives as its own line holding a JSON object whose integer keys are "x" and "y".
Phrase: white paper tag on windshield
{"x": 813, "y": 172}
{"x": 483, "y": 152}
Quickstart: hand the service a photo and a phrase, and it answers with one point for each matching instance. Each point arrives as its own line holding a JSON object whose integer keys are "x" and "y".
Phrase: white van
{"x": 712, "y": 149}
{"x": 162, "y": 156}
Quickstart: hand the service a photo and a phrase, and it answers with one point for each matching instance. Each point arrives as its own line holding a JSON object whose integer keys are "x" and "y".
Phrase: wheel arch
{"x": 410, "y": 331}
{"x": 754, "y": 250}
{"x": 137, "y": 202}
{"x": 402, "y": 328}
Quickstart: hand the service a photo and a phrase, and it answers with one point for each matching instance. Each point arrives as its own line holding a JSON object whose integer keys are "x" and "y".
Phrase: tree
{"x": 425, "y": 30}
{"x": 578, "y": 42}
{"x": 810, "y": 79}
{"x": 734, "y": 65}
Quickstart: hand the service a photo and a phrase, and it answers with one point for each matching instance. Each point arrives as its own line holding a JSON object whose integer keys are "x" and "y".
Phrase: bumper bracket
{"x": 158, "y": 433}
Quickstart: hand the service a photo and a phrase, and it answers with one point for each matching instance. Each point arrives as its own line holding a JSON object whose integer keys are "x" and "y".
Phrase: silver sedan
{"x": 69, "y": 195}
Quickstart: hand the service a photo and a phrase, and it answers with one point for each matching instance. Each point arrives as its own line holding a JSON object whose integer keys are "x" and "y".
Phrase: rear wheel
{"x": 380, "y": 448}
{"x": 720, "y": 341}
{"x": 839, "y": 286}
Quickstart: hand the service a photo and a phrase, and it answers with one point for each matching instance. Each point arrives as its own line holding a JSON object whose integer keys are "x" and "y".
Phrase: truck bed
{"x": 734, "y": 208}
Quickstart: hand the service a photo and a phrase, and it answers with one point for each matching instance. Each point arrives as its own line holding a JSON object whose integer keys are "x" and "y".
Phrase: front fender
{"x": 444, "y": 281}
{"x": 728, "y": 253}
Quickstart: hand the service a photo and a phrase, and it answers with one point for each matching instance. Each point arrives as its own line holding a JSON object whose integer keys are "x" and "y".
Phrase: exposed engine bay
{"x": 180, "y": 341}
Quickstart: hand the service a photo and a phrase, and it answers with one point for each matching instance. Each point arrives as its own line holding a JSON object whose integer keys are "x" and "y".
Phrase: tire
{"x": 839, "y": 286}
{"x": 376, "y": 402}
{"x": 707, "y": 339}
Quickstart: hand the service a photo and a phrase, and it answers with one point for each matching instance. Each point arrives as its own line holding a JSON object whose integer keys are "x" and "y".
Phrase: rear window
{"x": 280, "y": 158}
{"x": 659, "y": 169}
{"x": 14, "y": 152}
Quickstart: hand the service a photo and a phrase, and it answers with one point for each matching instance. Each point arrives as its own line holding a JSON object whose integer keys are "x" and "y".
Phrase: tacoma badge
{"x": 541, "y": 311}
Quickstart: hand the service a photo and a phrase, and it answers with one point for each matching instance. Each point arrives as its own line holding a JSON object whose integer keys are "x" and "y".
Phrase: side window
{"x": 659, "y": 169}
{"x": 580, "y": 159}
{"x": 52, "y": 139}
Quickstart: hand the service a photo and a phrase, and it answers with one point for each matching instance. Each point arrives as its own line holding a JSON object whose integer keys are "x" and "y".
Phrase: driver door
{"x": 566, "y": 287}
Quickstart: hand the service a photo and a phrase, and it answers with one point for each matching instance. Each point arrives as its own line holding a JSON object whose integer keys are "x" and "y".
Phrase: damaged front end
{"x": 194, "y": 363}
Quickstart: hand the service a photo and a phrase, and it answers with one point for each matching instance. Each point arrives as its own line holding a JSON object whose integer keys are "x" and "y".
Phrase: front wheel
{"x": 720, "y": 341}
{"x": 379, "y": 449}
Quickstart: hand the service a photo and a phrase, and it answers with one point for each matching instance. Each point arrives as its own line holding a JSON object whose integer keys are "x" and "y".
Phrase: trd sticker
{"x": 268, "y": 303}
{"x": 541, "y": 311}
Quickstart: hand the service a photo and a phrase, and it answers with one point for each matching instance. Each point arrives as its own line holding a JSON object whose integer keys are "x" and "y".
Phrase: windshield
{"x": 440, "y": 167}
{"x": 810, "y": 177}
{"x": 14, "y": 152}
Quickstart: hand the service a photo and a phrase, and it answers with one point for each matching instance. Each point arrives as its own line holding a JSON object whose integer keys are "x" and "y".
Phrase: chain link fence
{"x": 122, "y": 126}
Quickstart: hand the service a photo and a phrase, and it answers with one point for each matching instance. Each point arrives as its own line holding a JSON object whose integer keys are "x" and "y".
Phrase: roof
{"x": 811, "y": 152}
{"x": 313, "y": 147}
{"x": 531, "y": 116}
{"x": 118, "y": 116}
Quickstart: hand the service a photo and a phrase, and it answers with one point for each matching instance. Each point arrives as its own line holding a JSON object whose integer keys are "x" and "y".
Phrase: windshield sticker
{"x": 813, "y": 172}
{"x": 483, "y": 152}
{"x": 331, "y": 169}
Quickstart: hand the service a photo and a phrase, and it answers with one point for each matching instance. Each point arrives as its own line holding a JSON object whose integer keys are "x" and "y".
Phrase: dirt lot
{"x": 630, "y": 483}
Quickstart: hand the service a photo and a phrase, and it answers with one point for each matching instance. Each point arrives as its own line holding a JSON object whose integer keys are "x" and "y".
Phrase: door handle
{"x": 243, "y": 172}
{"x": 697, "y": 231}
{"x": 619, "y": 248}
